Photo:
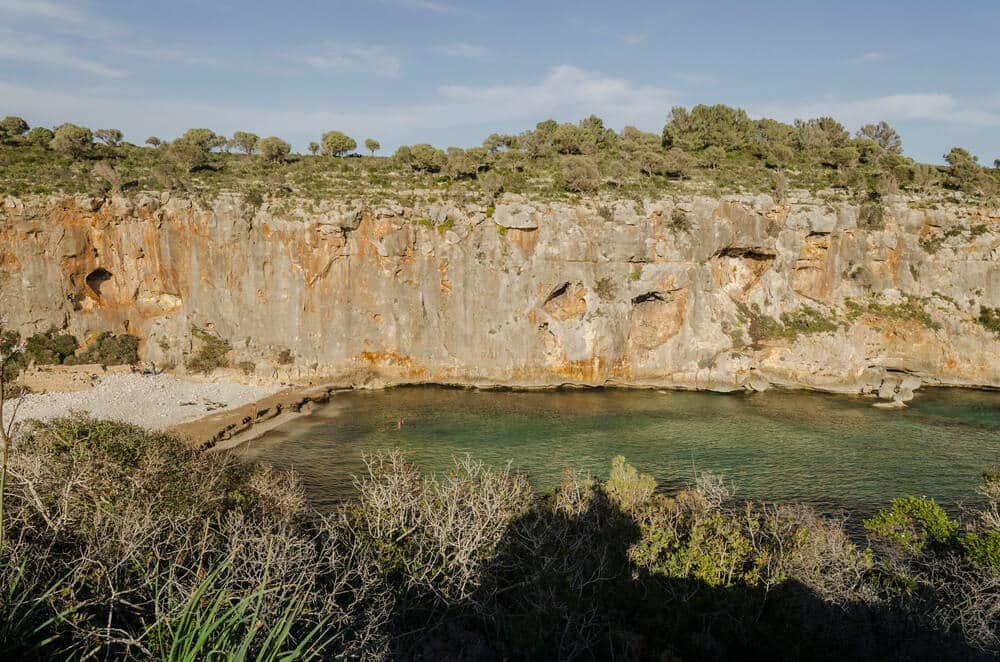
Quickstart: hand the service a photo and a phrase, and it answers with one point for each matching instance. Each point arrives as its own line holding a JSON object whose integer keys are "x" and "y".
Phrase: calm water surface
{"x": 838, "y": 453}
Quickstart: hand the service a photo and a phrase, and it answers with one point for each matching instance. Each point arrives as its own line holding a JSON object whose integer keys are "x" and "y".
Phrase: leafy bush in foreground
{"x": 128, "y": 544}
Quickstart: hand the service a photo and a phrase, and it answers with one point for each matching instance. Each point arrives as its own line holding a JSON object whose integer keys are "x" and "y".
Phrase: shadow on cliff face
{"x": 563, "y": 587}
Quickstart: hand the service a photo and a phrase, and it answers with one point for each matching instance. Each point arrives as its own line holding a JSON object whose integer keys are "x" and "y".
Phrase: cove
{"x": 837, "y": 453}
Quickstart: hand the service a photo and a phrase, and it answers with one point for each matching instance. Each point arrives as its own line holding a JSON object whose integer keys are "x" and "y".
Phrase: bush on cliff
{"x": 212, "y": 352}
{"x": 109, "y": 349}
{"x": 50, "y": 347}
{"x": 129, "y": 544}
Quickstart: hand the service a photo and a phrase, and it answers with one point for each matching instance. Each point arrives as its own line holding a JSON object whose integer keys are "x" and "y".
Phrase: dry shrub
{"x": 121, "y": 541}
{"x": 437, "y": 532}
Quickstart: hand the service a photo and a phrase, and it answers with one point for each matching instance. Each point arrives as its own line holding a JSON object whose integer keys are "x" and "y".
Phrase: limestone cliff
{"x": 694, "y": 293}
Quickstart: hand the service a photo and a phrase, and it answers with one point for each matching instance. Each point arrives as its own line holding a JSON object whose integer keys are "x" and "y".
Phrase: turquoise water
{"x": 836, "y": 452}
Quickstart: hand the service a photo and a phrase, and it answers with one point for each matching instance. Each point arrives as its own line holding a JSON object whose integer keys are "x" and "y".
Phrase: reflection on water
{"x": 838, "y": 453}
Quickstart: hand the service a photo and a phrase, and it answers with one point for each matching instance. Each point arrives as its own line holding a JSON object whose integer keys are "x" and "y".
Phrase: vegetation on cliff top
{"x": 711, "y": 148}
{"x": 127, "y": 544}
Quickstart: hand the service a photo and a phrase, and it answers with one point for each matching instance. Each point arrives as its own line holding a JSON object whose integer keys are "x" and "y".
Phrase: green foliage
{"x": 72, "y": 140}
{"x": 965, "y": 172}
{"x": 913, "y": 523}
{"x": 285, "y": 357}
{"x": 110, "y": 137}
{"x": 40, "y": 136}
{"x": 12, "y": 127}
{"x": 990, "y": 319}
{"x": 423, "y": 157}
{"x": 803, "y": 320}
{"x": 273, "y": 149}
{"x": 718, "y": 147}
{"x": 212, "y": 352}
{"x": 883, "y": 135}
{"x": 372, "y": 145}
{"x": 192, "y": 150}
{"x": 245, "y": 141}
{"x": 212, "y": 559}
{"x": 711, "y": 548}
{"x": 707, "y": 126}
{"x": 336, "y": 143}
{"x": 626, "y": 487}
{"x": 871, "y": 215}
{"x": 213, "y": 621}
{"x": 50, "y": 347}
{"x": 605, "y": 289}
{"x": 679, "y": 220}
{"x": 12, "y": 359}
{"x": 982, "y": 550}
{"x": 109, "y": 349}
{"x": 910, "y": 309}
{"x": 580, "y": 174}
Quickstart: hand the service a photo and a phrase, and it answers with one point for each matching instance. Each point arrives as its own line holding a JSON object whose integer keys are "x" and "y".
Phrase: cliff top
{"x": 709, "y": 150}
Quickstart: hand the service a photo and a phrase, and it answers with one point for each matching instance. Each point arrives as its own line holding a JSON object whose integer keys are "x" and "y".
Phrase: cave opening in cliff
{"x": 96, "y": 278}
{"x": 558, "y": 292}
{"x": 648, "y": 296}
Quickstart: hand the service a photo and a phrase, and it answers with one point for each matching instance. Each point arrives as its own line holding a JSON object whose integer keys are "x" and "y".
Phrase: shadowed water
{"x": 835, "y": 452}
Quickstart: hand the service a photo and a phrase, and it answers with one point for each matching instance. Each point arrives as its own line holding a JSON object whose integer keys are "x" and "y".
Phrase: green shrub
{"x": 626, "y": 487}
{"x": 212, "y": 352}
{"x": 712, "y": 548}
{"x": 990, "y": 319}
{"x": 679, "y": 220}
{"x": 872, "y": 215}
{"x": 982, "y": 550}
{"x": 51, "y": 347}
{"x": 109, "y": 349}
{"x": 912, "y": 523}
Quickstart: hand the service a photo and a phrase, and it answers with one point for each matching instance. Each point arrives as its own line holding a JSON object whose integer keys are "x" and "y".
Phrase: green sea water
{"x": 836, "y": 452}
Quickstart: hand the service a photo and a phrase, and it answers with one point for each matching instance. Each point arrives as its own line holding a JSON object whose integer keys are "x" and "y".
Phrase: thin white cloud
{"x": 173, "y": 55}
{"x": 463, "y": 50}
{"x": 36, "y": 50}
{"x": 866, "y": 58}
{"x": 45, "y": 9}
{"x": 427, "y": 6}
{"x": 929, "y": 107}
{"x": 565, "y": 90}
{"x": 352, "y": 58}
{"x": 566, "y": 93}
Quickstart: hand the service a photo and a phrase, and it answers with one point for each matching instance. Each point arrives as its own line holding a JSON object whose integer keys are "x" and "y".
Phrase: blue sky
{"x": 450, "y": 72}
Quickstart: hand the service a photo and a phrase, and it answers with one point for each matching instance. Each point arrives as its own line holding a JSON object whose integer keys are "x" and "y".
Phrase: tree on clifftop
{"x": 707, "y": 126}
{"x": 12, "y": 127}
{"x": 372, "y": 145}
{"x": 245, "y": 141}
{"x": 192, "y": 149}
{"x": 40, "y": 136}
{"x": 110, "y": 137}
{"x": 273, "y": 148}
{"x": 72, "y": 139}
{"x": 884, "y": 135}
{"x": 336, "y": 143}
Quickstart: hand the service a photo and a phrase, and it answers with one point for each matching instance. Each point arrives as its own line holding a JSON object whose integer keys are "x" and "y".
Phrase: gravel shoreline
{"x": 157, "y": 402}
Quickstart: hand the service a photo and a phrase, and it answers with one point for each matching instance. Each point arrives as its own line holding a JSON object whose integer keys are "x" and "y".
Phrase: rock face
{"x": 692, "y": 293}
